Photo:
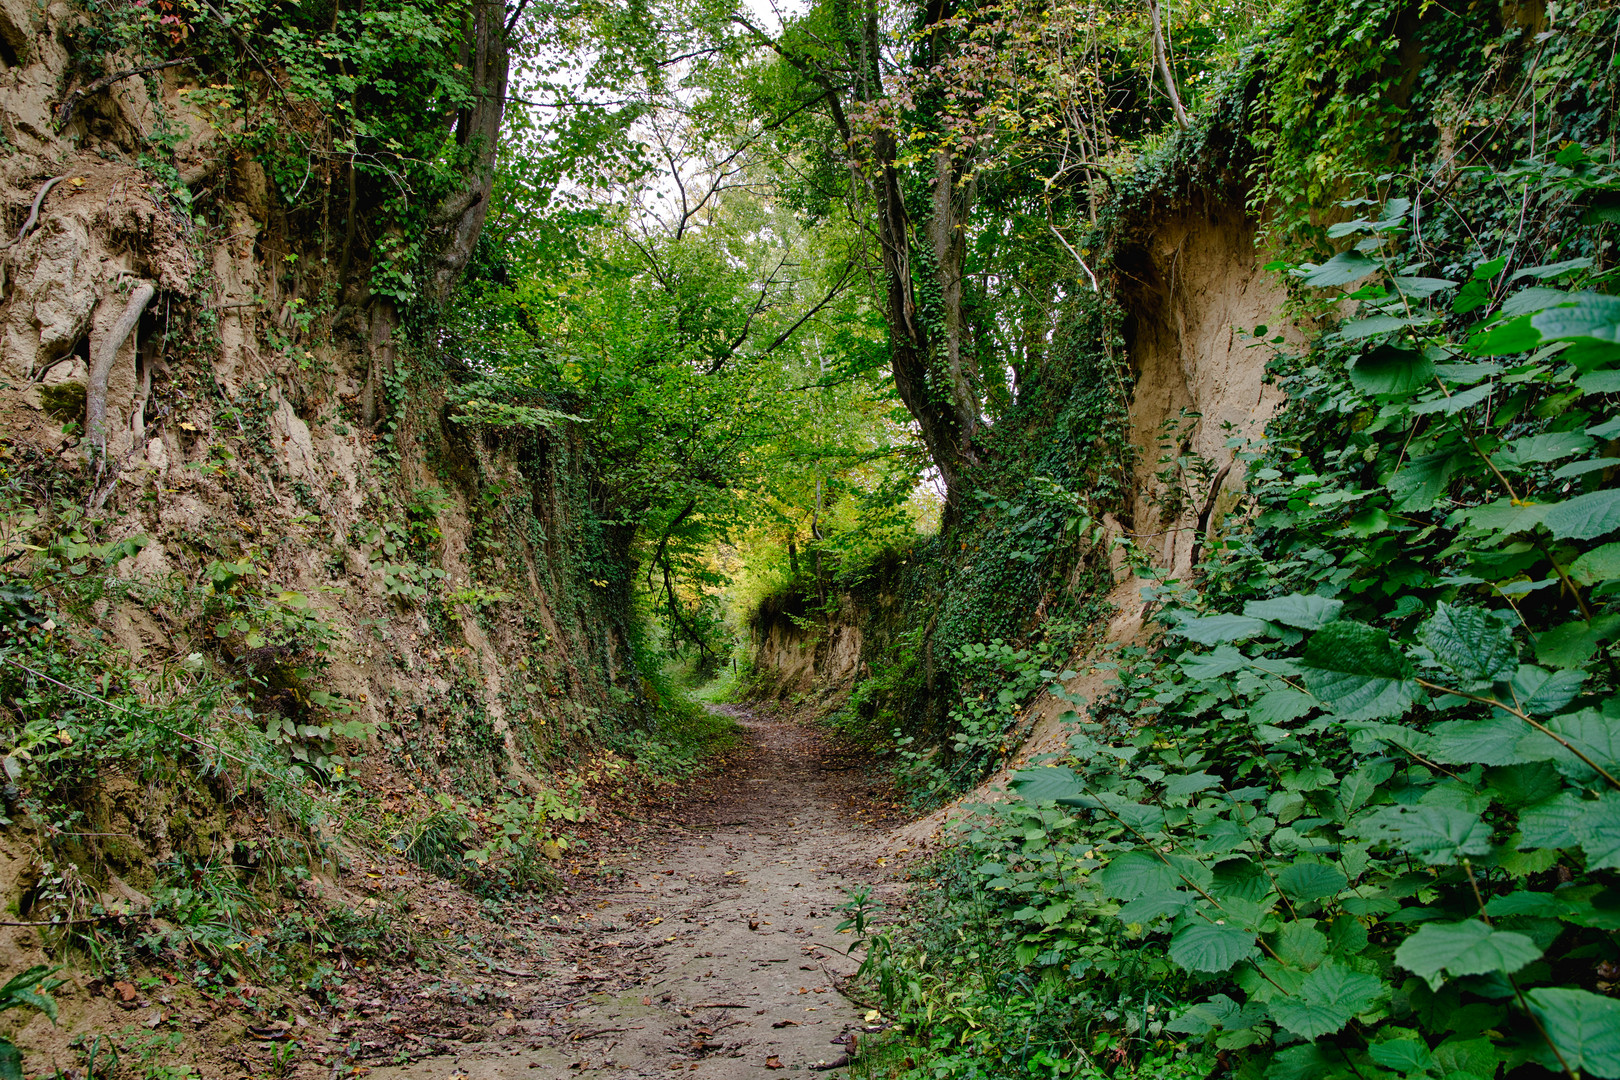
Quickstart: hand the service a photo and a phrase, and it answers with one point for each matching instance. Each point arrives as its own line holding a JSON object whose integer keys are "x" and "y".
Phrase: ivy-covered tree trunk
{"x": 453, "y": 227}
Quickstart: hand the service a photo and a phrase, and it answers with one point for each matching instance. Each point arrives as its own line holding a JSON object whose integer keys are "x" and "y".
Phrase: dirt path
{"x": 715, "y": 954}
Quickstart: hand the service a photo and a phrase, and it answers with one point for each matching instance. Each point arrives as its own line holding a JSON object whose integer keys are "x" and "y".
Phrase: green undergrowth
{"x": 1354, "y": 812}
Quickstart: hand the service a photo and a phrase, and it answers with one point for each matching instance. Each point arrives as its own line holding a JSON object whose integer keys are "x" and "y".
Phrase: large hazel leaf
{"x": 1591, "y": 316}
{"x": 1388, "y": 370}
{"x": 1050, "y": 782}
{"x": 1211, "y": 946}
{"x": 1135, "y": 874}
{"x": 1439, "y": 835}
{"x": 1297, "y": 609}
{"x": 1465, "y": 948}
{"x": 1355, "y": 671}
{"x": 1585, "y": 517}
{"x": 1470, "y": 642}
{"x": 1342, "y": 269}
{"x": 1583, "y": 1026}
{"x": 1310, "y": 881}
{"x": 1327, "y": 999}
{"x": 1221, "y": 629}
{"x": 1598, "y": 829}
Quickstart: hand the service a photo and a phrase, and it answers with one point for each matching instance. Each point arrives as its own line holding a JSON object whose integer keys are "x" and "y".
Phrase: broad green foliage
{"x": 1355, "y": 814}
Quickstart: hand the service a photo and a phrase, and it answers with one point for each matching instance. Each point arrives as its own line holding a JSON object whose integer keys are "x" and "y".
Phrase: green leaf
{"x": 1050, "y": 782}
{"x": 1452, "y": 404}
{"x": 10, "y": 1061}
{"x": 1598, "y": 829}
{"x": 1145, "y": 909}
{"x": 33, "y": 988}
{"x": 1497, "y": 740}
{"x": 1342, "y": 269}
{"x": 1421, "y": 288}
{"x": 1538, "y": 692}
{"x": 1470, "y": 642}
{"x": 1311, "y": 881}
{"x": 1281, "y": 706}
{"x": 1206, "y": 1016}
{"x": 1551, "y": 824}
{"x": 1465, "y": 948}
{"x": 1514, "y": 336}
{"x": 1299, "y": 944}
{"x": 1355, "y": 671}
{"x": 1220, "y": 629}
{"x": 1552, "y": 270}
{"x": 1211, "y": 946}
{"x": 1212, "y": 665}
{"x": 1585, "y": 517}
{"x": 1591, "y": 316}
{"x": 1539, "y": 449}
{"x": 1583, "y": 1026}
{"x": 1437, "y": 834}
{"x": 1307, "y": 612}
{"x": 1357, "y": 329}
{"x": 1599, "y": 564}
{"x": 1572, "y": 644}
{"x": 1402, "y": 1055}
{"x": 1390, "y": 371}
{"x": 1326, "y": 1001}
{"x": 1424, "y": 479}
{"x": 1134, "y": 874}
{"x": 1189, "y": 784}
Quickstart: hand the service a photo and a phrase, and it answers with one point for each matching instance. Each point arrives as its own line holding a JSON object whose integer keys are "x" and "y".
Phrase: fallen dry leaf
{"x": 774, "y": 1062}
{"x": 785, "y": 1023}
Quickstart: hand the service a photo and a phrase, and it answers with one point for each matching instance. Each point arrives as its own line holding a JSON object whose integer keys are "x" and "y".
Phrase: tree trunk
{"x": 454, "y": 225}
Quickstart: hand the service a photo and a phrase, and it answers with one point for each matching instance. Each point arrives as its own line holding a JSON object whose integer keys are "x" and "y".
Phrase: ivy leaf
{"x": 1585, "y": 517}
{"x": 1583, "y": 1026}
{"x": 1135, "y": 874}
{"x": 1470, "y": 642}
{"x": 1307, "y": 612}
{"x": 1389, "y": 371}
{"x": 1311, "y": 881}
{"x": 1342, "y": 269}
{"x": 1220, "y": 629}
{"x": 1356, "y": 672}
{"x": 1465, "y": 948}
{"x": 1211, "y": 947}
{"x": 1437, "y": 834}
{"x": 1326, "y": 1001}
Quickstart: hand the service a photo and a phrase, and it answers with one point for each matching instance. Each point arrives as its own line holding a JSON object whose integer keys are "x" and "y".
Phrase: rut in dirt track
{"x": 715, "y": 954}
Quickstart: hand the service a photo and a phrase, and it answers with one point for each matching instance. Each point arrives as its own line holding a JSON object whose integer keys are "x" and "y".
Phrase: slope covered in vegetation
{"x": 402, "y": 399}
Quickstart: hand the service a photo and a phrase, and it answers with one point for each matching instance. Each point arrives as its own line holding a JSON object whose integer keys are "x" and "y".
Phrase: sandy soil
{"x": 715, "y": 954}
